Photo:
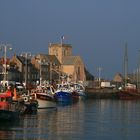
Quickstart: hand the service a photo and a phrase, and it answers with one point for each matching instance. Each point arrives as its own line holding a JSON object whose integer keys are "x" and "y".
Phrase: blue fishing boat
{"x": 63, "y": 93}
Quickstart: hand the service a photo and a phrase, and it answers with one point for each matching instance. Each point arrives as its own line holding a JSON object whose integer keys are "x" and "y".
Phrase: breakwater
{"x": 101, "y": 93}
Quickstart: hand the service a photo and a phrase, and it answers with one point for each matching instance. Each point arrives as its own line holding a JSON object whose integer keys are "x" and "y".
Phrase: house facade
{"x": 48, "y": 67}
{"x": 29, "y": 74}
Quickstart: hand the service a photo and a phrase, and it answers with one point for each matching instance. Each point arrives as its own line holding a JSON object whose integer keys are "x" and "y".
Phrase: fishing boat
{"x": 63, "y": 93}
{"x": 44, "y": 96}
{"x": 129, "y": 94}
{"x": 79, "y": 89}
{"x": 30, "y": 103}
{"x": 9, "y": 109}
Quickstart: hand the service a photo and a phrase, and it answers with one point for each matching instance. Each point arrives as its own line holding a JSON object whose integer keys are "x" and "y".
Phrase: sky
{"x": 96, "y": 29}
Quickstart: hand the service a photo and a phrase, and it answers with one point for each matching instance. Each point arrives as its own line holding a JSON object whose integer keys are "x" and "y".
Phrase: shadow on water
{"x": 6, "y": 129}
{"x": 67, "y": 103}
{"x": 6, "y": 125}
{"x": 61, "y": 104}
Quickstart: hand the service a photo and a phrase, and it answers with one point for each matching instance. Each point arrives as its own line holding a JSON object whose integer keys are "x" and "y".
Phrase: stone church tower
{"x": 70, "y": 65}
{"x": 60, "y": 51}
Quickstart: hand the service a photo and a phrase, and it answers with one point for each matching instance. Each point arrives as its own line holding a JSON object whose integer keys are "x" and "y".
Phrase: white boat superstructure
{"x": 65, "y": 87}
{"x": 78, "y": 88}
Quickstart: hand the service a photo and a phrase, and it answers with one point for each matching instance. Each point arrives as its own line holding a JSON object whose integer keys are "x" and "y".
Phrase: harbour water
{"x": 85, "y": 120}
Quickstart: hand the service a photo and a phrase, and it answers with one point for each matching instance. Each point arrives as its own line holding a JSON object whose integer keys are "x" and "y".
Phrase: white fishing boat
{"x": 78, "y": 88}
{"x": 44, "y": 96}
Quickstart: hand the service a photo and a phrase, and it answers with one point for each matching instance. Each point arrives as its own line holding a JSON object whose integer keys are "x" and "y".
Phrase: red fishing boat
{"x": 130, "y": 91}
{"x": 9, "y": 109}
{"x": 129, "y": 94}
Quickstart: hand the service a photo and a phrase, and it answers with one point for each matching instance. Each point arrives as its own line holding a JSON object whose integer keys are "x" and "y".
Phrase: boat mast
{"x": 125, "y": 65}
{"x": 138, "y": 72}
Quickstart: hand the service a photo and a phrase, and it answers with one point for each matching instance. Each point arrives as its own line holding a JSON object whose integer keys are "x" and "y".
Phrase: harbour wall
{"x": 101, "y": 93}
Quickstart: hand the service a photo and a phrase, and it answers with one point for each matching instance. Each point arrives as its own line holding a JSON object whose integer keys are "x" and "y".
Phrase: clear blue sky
{"x": 97, "y": 29}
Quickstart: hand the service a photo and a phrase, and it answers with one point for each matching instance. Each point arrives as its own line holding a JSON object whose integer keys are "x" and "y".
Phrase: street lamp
{"x": 26, "y": 55}
{"x": 5, "y": 47}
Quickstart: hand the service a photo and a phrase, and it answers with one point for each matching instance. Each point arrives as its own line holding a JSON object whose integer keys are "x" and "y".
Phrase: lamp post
{"x": 40, "y": 72}
{"x": 41, "y": 62}
{"x": 49, "y": 67}
{"x": 26, "y": 55}
{"x": 5, "y": 47}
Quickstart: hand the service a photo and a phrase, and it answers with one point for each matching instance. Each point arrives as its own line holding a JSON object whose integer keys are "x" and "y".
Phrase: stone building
{"x": 60, "y": 51}
{"x": 48, "y": 66}
{"x": 12, "y": 74}
{"x": 118, "y": 78}
{"x": 29, "y": 74}
{"x": 71, "y": 65}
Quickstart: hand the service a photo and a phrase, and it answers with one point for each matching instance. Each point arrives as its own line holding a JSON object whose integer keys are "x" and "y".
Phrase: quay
{"x": 101, "y": 93}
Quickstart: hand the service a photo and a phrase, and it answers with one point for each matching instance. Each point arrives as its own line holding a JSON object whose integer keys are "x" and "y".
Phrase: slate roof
{"x": 22, "y": 60}
{"x": 49, "y": 58}
{"x": 70, "y": 60}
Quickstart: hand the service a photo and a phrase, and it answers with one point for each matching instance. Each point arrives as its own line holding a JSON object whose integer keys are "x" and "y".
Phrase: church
{"x": 71, "y": 65}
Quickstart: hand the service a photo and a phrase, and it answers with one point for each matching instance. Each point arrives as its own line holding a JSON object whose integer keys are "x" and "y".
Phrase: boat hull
{"x": 31, "y": 107}
{"x": 44, "y": 97}
{"x": 128, "y": 95}
{"x": 63, "y": 96}
{"x": 42, "y": 104}
{"x": 45, "y": 101}
{"x": 75, "y": 97}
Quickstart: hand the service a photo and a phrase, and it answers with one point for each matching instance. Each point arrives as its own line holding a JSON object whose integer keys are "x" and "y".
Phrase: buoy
{"x": 25, "y": 99}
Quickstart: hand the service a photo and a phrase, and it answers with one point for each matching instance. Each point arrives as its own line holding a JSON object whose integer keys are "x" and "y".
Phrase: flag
{"x": 62, "y": 37}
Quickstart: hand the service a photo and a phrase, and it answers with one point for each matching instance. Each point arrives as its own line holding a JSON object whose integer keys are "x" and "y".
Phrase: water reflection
{"x": 6, "y": 129}
{"x": 89, "y": 119}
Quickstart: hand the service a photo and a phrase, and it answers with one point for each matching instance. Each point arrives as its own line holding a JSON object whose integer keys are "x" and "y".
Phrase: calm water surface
{"x": 85, "y": 120}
